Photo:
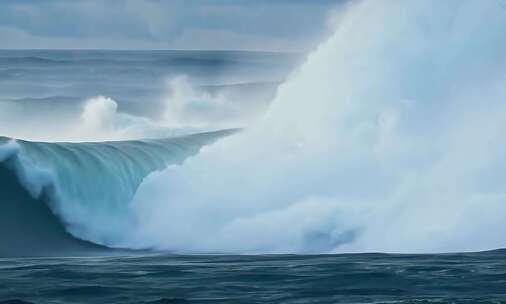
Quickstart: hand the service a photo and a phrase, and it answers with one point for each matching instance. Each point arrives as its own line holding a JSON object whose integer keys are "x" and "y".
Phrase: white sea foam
{"x": 389, "y": 138}
{"x": 101, "y": 120}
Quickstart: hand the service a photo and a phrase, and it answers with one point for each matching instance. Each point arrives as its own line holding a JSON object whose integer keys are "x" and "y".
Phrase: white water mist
{"x": 389, "y": 138}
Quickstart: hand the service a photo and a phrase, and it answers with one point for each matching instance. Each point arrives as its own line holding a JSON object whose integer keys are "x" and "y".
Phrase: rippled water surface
{"x": 364, "y": 278}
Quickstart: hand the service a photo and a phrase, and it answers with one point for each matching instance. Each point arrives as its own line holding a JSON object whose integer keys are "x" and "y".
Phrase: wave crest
{"x": 89, "y": 186}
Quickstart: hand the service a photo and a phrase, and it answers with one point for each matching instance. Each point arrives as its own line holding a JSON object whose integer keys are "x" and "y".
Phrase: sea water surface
{"x": 353, "y": 278}
{"x": 388, "y": 140}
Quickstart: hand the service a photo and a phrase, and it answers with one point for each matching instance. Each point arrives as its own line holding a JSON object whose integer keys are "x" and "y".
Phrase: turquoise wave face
{"x": 89, "y": 186}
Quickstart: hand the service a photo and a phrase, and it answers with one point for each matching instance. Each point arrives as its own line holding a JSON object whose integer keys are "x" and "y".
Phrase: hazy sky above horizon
{"x": 277, "y": 25}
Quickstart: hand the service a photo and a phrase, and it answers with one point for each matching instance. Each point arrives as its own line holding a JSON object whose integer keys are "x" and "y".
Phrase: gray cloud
{"x": 181, "y": 24}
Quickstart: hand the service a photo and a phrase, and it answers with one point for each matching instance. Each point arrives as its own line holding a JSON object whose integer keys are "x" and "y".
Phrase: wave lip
{"x": 67, "y": 197}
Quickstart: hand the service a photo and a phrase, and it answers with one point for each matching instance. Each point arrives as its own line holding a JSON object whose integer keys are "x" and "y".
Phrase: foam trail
{"x": 389, "y": 138}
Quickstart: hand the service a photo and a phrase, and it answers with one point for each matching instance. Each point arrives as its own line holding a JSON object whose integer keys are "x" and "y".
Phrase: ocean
{"x": 41, "y": 262}
{"x": 368, "y": 171}
{"x": 81, "y": 129}
{"x": 46, "y": 89}
{"x": 166, "y": 278}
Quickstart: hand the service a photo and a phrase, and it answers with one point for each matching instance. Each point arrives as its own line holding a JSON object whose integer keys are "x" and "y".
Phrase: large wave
{"x": 389, "y": 138}
{"x": 51, "y": 189}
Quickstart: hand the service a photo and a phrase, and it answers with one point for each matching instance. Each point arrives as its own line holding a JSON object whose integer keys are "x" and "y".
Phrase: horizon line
{"x": 151, "y": 50}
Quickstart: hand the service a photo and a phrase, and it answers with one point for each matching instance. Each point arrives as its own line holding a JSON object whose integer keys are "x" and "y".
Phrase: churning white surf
{"x": 389, "y": 138}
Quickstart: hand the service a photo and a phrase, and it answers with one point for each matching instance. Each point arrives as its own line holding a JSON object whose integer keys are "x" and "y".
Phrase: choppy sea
{"x": 354, "y": 278}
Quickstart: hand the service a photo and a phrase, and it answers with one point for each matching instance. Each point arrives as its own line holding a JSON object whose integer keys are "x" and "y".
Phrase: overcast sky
{"x": 278, "y": 25}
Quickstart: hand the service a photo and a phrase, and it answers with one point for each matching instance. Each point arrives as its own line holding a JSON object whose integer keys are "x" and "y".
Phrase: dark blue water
{"x": 364, "y": 278}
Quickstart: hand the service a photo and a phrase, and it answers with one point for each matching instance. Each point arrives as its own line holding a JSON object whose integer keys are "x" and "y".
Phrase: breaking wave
{"x": 51, "y": 190}
{"x": 389, "y": 138}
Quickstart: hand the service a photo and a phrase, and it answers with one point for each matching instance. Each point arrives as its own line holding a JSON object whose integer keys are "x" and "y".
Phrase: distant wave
{"x": 55, "y": 98}
{"x": 28, "y": 60}
{"x": 152, "y": 59}
{"x": 54, "y": 194}
{"x": 265, "y": 85}
{"x": 187, "y": 60}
